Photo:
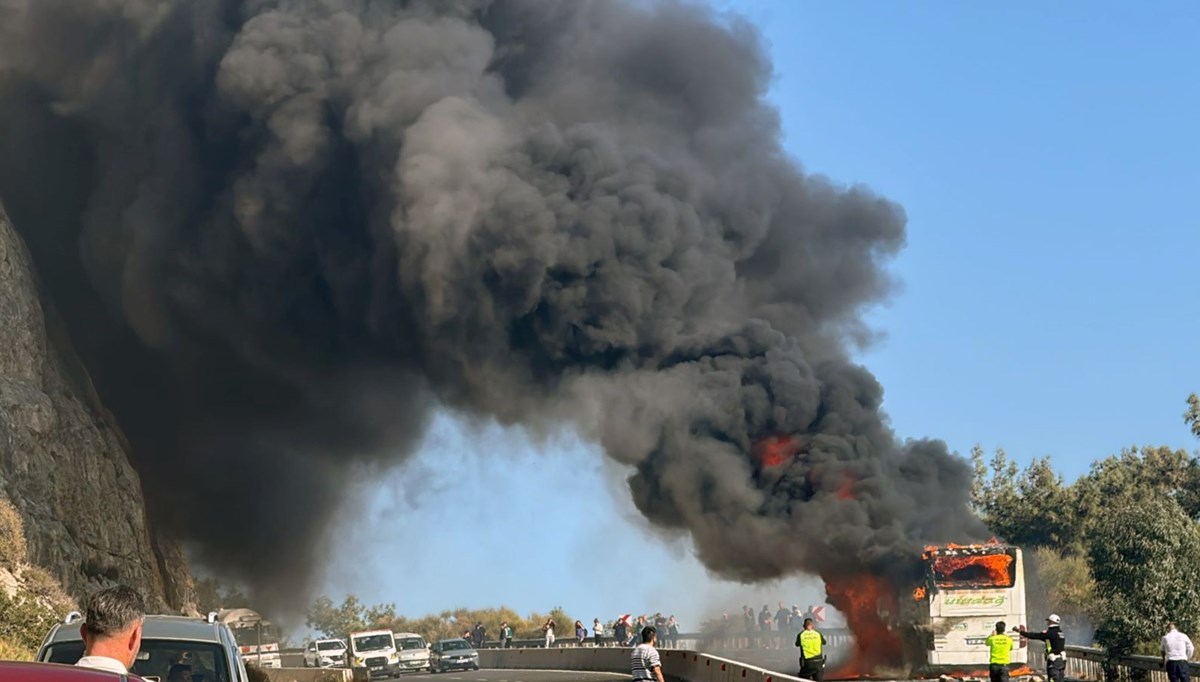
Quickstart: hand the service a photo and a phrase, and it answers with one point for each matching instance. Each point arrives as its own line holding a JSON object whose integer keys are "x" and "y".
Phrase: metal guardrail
{"x": 1089, "y": 664}
{"x": 834, "y": 637}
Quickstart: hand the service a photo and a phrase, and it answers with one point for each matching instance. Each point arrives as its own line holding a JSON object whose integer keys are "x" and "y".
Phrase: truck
{"x": 374, "y": 650}
{"x": 257, "y": 638}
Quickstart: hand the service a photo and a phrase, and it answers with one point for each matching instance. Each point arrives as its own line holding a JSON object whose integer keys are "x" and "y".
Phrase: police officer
{"x": 1000, "y": 647}
{"x": 812, "y": 652}
{"x": 1056, "y": 643}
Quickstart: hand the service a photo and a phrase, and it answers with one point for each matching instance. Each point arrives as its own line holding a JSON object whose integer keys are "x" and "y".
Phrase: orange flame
{"x": 866, "y": 601}
{"x": 986, "y": 570}
{"x": 919, "y": 594}
{"x": 777, "y": 450}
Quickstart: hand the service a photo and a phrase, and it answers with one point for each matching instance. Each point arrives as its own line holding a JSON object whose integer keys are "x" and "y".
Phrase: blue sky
{"x": 1048, "y": 157}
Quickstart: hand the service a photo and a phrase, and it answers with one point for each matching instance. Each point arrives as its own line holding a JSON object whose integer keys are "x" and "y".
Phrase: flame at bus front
{"x": 868, "y": 603}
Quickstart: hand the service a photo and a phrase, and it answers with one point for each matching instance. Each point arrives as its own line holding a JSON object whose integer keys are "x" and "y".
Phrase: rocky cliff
{"x": 63, "y": 463}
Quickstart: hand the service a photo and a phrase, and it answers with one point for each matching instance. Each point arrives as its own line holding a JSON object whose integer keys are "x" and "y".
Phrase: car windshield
{"x": 249, "y": 636}
{"x": 455, "y": 644}
{"x": 373, "y": 642}
{"x": 410, "y": 643}
{"x": 330, "y": 646}
{"x": 207, "y": 661}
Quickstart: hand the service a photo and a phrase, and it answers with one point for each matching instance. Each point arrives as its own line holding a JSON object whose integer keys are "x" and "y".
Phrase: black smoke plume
{"x": 283, "y": 232}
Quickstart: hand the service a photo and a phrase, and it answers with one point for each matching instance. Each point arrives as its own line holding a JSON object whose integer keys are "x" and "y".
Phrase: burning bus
{"x": 967, "y": 589}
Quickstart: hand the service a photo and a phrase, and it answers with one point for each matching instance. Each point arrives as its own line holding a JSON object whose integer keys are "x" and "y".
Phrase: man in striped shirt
{"x": 647, "y": 666}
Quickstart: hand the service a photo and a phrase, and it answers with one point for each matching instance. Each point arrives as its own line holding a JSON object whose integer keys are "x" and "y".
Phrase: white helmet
{"x": 1053, "y": 619}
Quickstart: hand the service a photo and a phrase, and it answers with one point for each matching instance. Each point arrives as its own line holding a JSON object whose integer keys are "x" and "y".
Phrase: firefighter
{"x": 1056, "y": 643}
{"x": 1000, "y": 647}
{"x": 812, "y": 652}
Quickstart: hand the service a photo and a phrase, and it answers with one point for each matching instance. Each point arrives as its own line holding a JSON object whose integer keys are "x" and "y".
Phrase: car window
{"x": 409, "y": 643}
{"x": 373, "y": 642}
{"x": 330, "y": 646}
{"x": 207, "y": 661}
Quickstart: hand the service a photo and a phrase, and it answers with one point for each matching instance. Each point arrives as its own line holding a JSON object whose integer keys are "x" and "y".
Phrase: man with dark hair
{"x": 812, "y": 652}
{"x": 1177, "y": 650}
{"x": 645, "y": 661}
{"x": 180, "y": 672}
{"x": 112, "y": 629}
{"x": 1000, "y": 647}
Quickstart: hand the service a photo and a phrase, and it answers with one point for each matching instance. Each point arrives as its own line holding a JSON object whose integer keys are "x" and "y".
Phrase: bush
{"x": 45, "y": 587}
{"x": 25, "y": 620}
{"x": 13, "y": 652}
{"x": 13, "y": 548}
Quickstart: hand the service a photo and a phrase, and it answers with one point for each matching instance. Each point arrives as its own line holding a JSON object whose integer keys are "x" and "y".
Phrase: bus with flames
{"x": 257, "y": 638}
{"x": 967, "y": 589}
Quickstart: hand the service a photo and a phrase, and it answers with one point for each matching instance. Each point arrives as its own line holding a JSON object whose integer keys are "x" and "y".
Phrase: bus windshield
{"x": 957, "y": 571}
{"x": 250, "y": 636}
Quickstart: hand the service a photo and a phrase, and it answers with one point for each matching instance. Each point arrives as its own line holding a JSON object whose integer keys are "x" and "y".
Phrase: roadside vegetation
{"x": 337, "y": 620}
{"x": 1118, "y": 549}
{"x": 31, "y": 600}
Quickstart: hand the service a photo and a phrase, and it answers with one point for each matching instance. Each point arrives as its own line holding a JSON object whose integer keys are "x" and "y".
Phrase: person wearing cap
{"x": 1000, "y": 647}
{"x": 1177, "y": 650}
{"x": 1056, "y": 644}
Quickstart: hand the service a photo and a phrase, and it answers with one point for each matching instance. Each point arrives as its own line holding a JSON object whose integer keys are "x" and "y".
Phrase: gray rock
{"x": 63, "y": 462}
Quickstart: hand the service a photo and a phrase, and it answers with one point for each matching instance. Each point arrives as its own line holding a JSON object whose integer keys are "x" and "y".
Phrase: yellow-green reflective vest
{"x": 1000, "y": 647}
{"x": 810, "y": 644}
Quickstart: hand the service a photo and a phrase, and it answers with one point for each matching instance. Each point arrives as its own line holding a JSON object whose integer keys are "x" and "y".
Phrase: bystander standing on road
{"x": 783, "y": 619}
{"x": 597, "y": 632}
{"x": 673, "y": 630}
{"x": 506, "y": 633}
{"x": 645, "y": 662}
{"x": 1000, "y": 647}
{"x": 580, "y": 632}
{"x": 621, "y": 630}
{"x": 1177, "y": 650}
{"x": 112, "y": 629}
{"x": 479, "y": 635}
{"x": 748, "y": 620}
{"x": 797, "y": 619}
{"x": 548, "y": 631}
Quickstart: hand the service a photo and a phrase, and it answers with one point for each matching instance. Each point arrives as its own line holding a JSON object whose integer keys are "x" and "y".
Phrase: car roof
{"x": 407, "y": 634}
{"x": 53, "y": 672}
{"x": 322, "y": 641}
{"x": 452, "y": 639}
{"x": 368, "y": 633}
{"x": 155, "y": 627}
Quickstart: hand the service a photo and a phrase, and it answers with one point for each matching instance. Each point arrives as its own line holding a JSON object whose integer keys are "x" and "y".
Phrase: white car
{"x": 325, "y": 653}
{"x": 414, "y": 652}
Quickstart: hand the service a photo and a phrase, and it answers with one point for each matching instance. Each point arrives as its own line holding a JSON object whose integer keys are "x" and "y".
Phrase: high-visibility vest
{"x": 810, "y": 644}
{"x": 1000, "y": 648}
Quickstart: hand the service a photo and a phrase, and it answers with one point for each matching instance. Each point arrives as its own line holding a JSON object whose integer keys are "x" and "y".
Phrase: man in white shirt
{"x": 1177, "y": 650}
{"x": 112, "y": 631}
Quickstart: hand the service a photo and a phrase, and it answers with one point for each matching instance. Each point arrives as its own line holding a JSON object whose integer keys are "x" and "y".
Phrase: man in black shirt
{"x": 1056, "y": 643}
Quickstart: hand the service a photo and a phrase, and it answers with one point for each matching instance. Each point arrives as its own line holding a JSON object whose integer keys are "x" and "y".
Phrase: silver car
{"x": 204, "y": 644}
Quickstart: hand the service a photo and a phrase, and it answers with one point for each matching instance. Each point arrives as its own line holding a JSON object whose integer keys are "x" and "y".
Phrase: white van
{"x": 374, "y": 650}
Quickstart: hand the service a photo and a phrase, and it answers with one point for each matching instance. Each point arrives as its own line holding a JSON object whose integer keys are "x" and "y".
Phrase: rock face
{"x": 63, "y": 463}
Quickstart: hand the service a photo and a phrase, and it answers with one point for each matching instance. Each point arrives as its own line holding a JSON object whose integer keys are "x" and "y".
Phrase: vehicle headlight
{"x": 359, "y": 660}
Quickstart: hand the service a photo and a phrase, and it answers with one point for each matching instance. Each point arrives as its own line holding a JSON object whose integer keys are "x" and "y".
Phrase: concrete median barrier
{"x": 678, "y": 664}
{"x": 316, "y": 675}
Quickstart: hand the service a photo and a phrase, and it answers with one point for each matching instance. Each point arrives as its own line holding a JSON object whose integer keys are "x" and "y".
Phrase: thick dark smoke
{"x": 283, "y": 232}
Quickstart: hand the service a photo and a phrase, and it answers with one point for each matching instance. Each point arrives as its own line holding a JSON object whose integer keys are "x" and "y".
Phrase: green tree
{"x": 1192, "y": 416}
{"x": 1028, "y": 507}
{"x": 337, "y": 620}
{"x": 1138, "y": 473}
{"x": 1061, "y": 582}
{"x": 1145, "y": 559}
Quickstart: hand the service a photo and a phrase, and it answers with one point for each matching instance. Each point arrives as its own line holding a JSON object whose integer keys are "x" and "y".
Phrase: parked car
{"x": 17, "y": 671}
{"x": 325, "y": 653}
{"x": 204, "y": 643}
{"x": 451, "y": 654}
{"x": 414, "y": 652}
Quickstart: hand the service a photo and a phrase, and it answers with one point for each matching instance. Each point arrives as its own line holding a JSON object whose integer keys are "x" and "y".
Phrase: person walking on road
{"x": 645, "y": 662}
{"x": 1177, "y": 650}
{"x": 1056, "y": 644}
{"x": 1000, "y": 647}
{"x": 812, "y": 652}
{"x": 548, "y": 630}
{"x": 112, "y": 629}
